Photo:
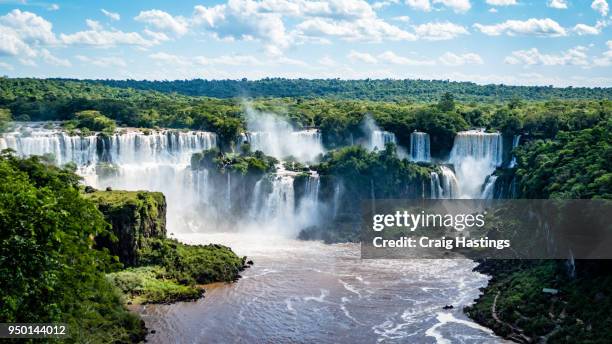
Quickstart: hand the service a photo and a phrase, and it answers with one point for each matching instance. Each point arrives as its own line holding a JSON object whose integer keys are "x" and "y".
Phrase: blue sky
{"x": 521, "y": 42}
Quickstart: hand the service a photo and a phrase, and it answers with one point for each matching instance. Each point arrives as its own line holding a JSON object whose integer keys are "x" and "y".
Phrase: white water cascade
{"x": 420, "y": 147}
{"x": 515, "y": 142}
{"x": 156, "y": 160}
{"x": 475, "y": 155}
{"x": 379, "y": 138}
{"x": 444, "y": 186}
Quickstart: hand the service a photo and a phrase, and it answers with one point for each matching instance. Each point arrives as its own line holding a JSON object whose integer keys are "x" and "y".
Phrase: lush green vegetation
{"x": 578, "y": 313}
{"x": 388, "y": 90}
{"x": 55, "y": 267}
{"x": 576, "y": 164}
{"x": 245, "y": 163}
{"x": 169, "y": 271}
{"x": 340, "y": 120}
{"x": 49, "y": 271}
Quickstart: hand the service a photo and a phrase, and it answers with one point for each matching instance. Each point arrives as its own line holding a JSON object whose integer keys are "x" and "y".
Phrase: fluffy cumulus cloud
{"x": 29, "y": 27}
{"x": 439, "y": 31}
{"x": 558, "y": 4}
{"x": 601, "y": 6}
{"x": 532, "y": 27}
{"x": 576, "y": 56}
{"x": 264, "y": 21}
{"x": 452, "y": 59}
{"x": 111, "y": 15}
{"x": 459, "y": 6}
{"x": 501, "y": 2}
{"x": 163, "y": 21}
{"x": 584, "y": 29}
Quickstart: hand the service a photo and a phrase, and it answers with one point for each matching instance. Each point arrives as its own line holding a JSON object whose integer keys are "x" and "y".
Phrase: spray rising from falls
{"x": 475, "y": 156}
{"x": 420, "y": 147}
{"x": 160, "y": 161}
{"x": 276, "y": 137}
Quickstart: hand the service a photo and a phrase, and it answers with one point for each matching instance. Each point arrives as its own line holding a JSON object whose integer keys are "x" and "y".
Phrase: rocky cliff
{"x": 134, "y": 216}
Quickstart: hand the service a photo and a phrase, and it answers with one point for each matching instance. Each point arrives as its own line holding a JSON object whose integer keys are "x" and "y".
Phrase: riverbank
{"x": 544, "y": 301}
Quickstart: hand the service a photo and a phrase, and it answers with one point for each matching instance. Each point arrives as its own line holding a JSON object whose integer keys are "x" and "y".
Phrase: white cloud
{"x": 53, "y": 60}
{"x": 362, "y": 57}
{"x": 163, "y": 21}
{"x": 558, "y": 4}
{"x": 532, "y": 26}
{"x": 493, "y": 10}
{"x": 367, "y": 29}
{"x": 93, "y": 24}
{"x": 439, "y": 31}
{"x": 605, "y": 60}
{"x": 53, "y": 7}
{"x": 601, "y": 6}
{"x": 583, "y": 29}
{"x": 29, "y": 27}
{"x": 451, "y": 59}
{"x": 501, "y": 2}
{"x": 426, "y": 5}
{"x": 404, "y": 19}
{"x": 12, "y": 45}
{"x": 106, "y": 39}
{"x": 385, "y": 3}
{"x": 422, "y": 5}
{"x": 576, "y": 56}
{"x": 111, "y": 15}
{"x": 108, "y": 61}
{"x": 391, "y": 57}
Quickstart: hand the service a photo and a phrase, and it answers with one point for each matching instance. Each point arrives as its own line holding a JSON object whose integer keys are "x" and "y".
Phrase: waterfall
{"x": 304, "y": 145}
{"x": 489, "y": 189}
{"x": 435, "y": 187}
{"x": 515, "y": 142}
{"x": 35, "y": 139}
{"x": 379, "y": 138}
{"x": 156, "y": 160}
{"x": 419, "y": 147}
{"x": 475, "y": 155}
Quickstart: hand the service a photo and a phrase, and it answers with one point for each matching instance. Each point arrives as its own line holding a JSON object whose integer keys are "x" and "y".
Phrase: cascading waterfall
{"x": 37, "y": 139}
{"x": 419, "y": 147}
{"x": 131, "y": 160}
{"x": 444, "y": 186}
{"x": 489, "y": 188}
{"x": 475, "y": 155}
{"x": 379, "y": 138}
{"x": 515, "y": 142}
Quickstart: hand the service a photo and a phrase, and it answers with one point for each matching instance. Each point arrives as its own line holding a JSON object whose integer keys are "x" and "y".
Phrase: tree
{"x": 447, "y": 102}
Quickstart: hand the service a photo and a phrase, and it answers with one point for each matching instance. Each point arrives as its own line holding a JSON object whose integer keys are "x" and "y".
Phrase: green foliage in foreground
{"x": 579, "y": 313}
{"x": 192, "y": 264}
{"x": 49, "y": 271}
{"x": 152, "y": 284}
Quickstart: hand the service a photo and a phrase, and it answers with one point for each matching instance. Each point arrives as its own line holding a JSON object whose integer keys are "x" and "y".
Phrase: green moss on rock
{"x": 133, "y": 216}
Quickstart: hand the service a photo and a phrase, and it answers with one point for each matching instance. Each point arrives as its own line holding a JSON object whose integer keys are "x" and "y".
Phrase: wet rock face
{"x": 133, "y": 216}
